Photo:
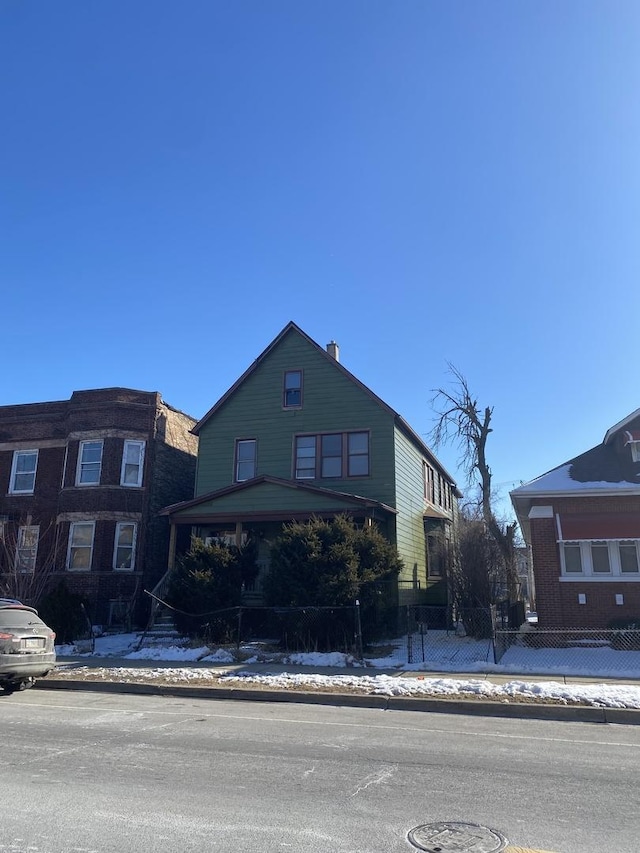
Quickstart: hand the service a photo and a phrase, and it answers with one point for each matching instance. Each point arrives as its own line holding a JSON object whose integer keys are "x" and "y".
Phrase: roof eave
{"x": 632, "y": 488}
{"x": 620, "y": 425}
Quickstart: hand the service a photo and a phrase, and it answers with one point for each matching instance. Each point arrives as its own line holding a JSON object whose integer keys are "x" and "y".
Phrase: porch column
{"x": 238, "y": 534}
{"x": 171, "y": 562}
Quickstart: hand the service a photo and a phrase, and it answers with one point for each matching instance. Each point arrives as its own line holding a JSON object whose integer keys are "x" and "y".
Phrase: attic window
{"x": 635, "y": 450}
{"x": 292, "y": 390}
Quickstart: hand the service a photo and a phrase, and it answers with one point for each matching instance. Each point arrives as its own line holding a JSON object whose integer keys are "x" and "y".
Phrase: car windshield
{"x": 11, "y": 618}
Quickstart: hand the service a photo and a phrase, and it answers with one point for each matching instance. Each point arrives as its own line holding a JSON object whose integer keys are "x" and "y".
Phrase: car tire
{"x": 13, "y": 686}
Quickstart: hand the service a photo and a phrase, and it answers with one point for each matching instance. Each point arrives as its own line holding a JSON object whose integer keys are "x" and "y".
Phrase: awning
{"x": 604, "y": 525}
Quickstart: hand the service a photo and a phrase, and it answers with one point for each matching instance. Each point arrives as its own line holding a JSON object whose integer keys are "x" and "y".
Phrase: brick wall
{"x": 557, "y": 601}
{"x": 56, "y": 429}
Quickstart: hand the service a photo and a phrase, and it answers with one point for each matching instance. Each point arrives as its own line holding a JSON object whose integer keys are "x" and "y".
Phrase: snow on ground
{"x": 442, "y": 653}
{"x": 597, "y": 695}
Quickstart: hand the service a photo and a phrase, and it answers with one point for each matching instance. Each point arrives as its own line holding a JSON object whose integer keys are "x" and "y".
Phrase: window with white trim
{"x": 124, "y": 546}
{"x": 27, "y": 548}
{"x": 601, "y": 558}
{"x": 132, "y": 464}
{"x": 635, "y": 450}
{"x": 89, "y": 463}
{"x": 23, "y": 472}
{"x": 80, "y": 551}
{"x": 245, "y": 465}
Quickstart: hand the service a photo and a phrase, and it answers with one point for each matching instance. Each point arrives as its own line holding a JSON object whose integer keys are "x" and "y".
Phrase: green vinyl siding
{"x": 270, "y": 497}
{"x": 411, "y": 505}
{"x": 410, "y": 539}
{"x": 331, "y": 402}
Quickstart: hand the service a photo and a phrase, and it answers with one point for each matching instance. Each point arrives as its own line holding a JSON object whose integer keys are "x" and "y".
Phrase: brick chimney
{"x": 334, "y": 350}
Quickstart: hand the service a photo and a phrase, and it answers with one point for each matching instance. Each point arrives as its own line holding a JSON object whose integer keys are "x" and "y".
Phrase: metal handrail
{"x": 156, "y": 594}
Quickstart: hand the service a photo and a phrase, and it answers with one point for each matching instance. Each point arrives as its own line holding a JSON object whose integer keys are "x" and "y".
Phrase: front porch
{"x": 255, "y": 511}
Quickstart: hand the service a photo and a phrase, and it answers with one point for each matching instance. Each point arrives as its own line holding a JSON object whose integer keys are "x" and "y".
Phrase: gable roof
{"x": 620, "y": 425}
{"x": 292, "y": 327}
{"x": 333, "y": 495}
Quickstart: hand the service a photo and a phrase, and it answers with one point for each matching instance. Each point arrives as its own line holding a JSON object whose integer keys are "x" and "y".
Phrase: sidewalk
{"x": 117, "y": 675}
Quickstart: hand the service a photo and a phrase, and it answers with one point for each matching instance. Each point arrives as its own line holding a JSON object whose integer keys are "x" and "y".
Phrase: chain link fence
{"x": 613, "y": 652}
{"x": 440, "y": 638}
{"x": 476, "y": 641}
{"x": 436, "y": 639}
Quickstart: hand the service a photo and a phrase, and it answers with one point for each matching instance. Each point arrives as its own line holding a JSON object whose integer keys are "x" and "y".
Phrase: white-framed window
{"x": 89, "y": 463}
{"x": 227, "y": 537}
{"x": 292, "y": 390}
{"x": 635, "y": 450}
{"x": 132, "y": 464}
{"x": 601, "y": 558}
{"x": 23, "y": 472}
{"x": 124, "y": 549}
{"x": 331, "y": 455}
{"x": 246, "y": 458}
{"x": 27, "y": 548}
{"x": 80, "y": 551}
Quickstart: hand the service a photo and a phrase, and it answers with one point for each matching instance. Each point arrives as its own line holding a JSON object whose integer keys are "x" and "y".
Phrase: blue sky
{"x": 424, "y": 182}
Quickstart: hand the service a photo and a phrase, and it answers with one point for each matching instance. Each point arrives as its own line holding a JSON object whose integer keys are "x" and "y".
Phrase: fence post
{"x": 493, "y": 615}
{"x": 239, "y": 627}
{"x": 359, "y": 631}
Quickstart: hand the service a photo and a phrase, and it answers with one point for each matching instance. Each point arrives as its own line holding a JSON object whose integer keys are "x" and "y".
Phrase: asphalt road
{"x": 98, "y": 772}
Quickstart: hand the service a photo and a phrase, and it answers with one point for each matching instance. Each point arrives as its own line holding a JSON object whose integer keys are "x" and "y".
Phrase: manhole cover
{"x": 453, "y": 837}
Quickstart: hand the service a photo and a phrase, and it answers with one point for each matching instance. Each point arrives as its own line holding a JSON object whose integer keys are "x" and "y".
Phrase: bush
{"x": 64, "y": 612}
{"x": 332, "y": 564}
{"x": 207, "y": 579}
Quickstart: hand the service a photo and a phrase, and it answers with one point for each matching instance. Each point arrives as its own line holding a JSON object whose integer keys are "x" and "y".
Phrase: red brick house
{"x": 81, "y": 483}
{"x": 582, "y": 522}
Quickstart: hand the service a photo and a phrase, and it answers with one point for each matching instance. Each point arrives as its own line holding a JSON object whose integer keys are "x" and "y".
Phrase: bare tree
{"x": 462, "y": 420}
{"x": 27, "y": 560}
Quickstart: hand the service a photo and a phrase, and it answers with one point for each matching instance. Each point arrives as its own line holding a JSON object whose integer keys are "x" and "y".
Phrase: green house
{"x": 299, "y": 436}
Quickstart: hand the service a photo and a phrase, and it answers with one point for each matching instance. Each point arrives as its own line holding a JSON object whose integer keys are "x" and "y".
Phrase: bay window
{"x": 89, "y": 463}
{"x": 80, "y": 551}
{"x": 23, "y": 472}
{"x": 124, "y": 546}
{"x": 132, "y": 461}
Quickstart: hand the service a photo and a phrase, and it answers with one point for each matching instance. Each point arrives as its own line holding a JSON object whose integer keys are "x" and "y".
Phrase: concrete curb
{"x": 514, "y": 710}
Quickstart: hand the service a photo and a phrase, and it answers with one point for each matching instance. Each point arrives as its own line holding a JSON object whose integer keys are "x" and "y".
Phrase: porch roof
{"x": 270, "y": 498}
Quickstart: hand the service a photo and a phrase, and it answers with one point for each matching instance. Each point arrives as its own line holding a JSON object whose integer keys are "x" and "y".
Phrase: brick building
{"x": 582, "y": 521}
{"x": 81, "y": 483}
